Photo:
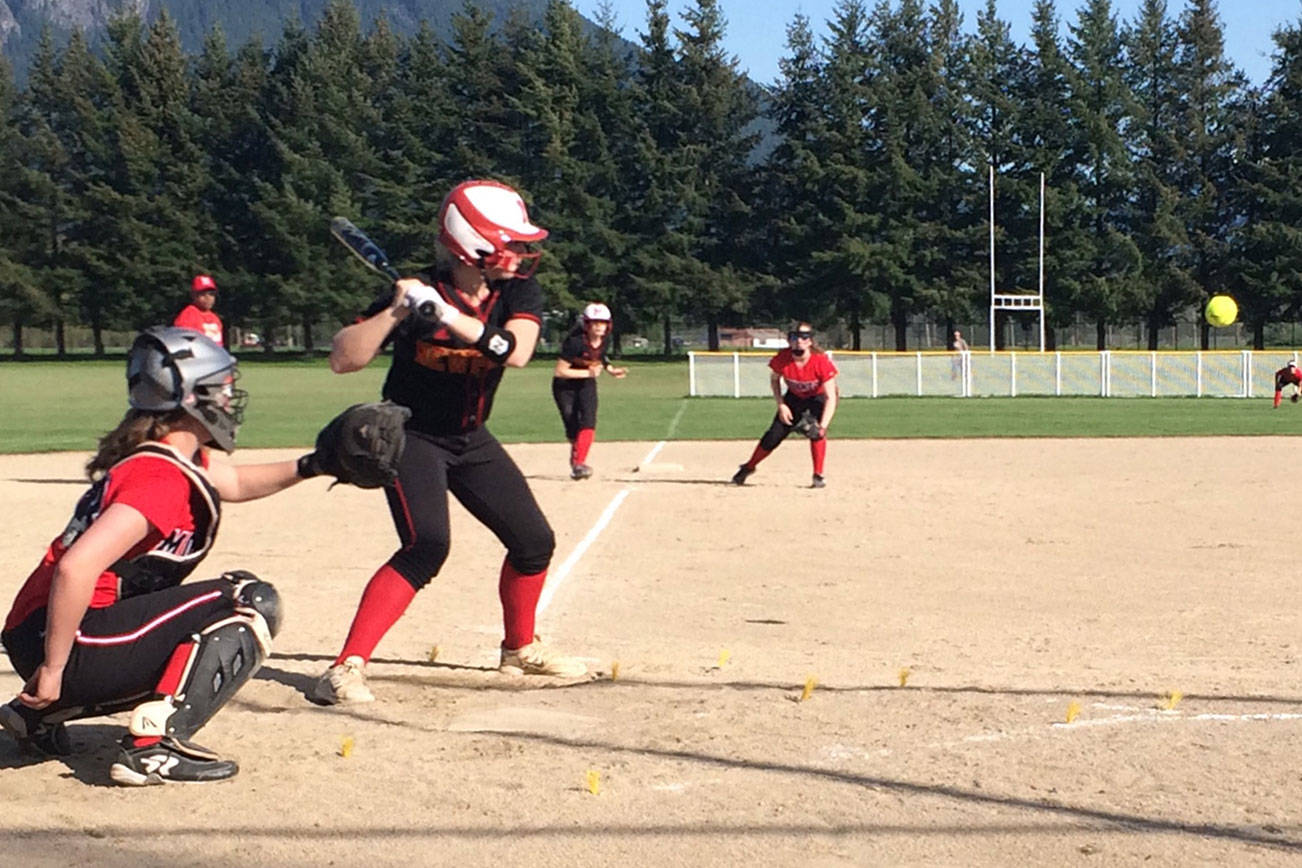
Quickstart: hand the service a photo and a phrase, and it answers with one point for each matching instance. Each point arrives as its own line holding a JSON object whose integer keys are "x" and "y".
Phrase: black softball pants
{"x": 482, "y": 477}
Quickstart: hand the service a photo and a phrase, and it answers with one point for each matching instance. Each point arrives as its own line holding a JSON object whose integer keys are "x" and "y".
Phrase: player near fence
{"x": 199, "y": 315}
{"x": 446, "y": 370}
{"x": 807, "y": 405}
{"x": 1289, "y": 375}
{"x": 582, "y": 358}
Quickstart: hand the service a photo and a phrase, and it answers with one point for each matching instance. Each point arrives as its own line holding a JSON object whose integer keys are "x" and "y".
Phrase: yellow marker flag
{"x": 724, "y": 656}
{"x": 810, "y": 683}
{"x": 346, "y": 747}
{"x": 1073, "y": 711}
{"x": 433, "y": 653}
{"x": 904, "y": 676}
{"x": 614, "y": 671}
{"x": 1171, "y": 699}
{"x": 594, "y": 781}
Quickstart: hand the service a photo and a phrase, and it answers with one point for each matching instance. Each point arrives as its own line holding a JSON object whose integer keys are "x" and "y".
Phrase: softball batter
{"x": 808, "y": 404}
{"x": 446, "y": 371}
{"x": 583, "y": 357}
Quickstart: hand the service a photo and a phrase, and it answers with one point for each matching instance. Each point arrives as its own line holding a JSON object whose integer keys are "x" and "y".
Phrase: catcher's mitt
{"x": 808, "y": 426}
{"x": 360, "y": 446}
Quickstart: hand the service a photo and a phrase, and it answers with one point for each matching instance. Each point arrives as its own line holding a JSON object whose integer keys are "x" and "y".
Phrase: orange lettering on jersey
{"x": 448, "y": 360}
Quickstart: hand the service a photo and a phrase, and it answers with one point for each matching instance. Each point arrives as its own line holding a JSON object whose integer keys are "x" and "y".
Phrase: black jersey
{"x": 576, "y": 350}
{"x": 446, "y": 382}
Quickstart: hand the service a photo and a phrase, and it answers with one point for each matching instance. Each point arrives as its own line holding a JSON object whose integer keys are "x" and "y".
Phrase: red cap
{"x": 203, "y": 283}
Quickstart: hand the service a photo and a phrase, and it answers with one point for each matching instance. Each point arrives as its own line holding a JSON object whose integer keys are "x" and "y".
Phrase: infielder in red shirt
{"x": 198, "y": 315}
{"x": 808, "y": 404}
{"x": 1289, "y": 375}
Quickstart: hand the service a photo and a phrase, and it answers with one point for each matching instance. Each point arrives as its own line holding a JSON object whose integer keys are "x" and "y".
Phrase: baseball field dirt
{"x": 977, "y": 652}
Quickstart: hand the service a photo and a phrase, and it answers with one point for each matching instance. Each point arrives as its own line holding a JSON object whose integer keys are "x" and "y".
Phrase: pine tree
{"x": 1212, "y": 90}
{"x": 1101, "y": 107}
{"x": 1157, "y": 152}
{"x": 716, "y": 142}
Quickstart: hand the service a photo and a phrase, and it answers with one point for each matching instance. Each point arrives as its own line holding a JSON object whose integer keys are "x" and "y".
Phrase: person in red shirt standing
{"x": 105, "y": 624}
{"x": 1289, "y": 375}
{"x": 811, "y": 390}
{"x": 198, "y": 315}
{"x": 582, "y": 358}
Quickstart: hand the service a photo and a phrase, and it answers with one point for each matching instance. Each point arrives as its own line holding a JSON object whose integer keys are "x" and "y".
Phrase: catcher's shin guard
{"x": 206, "y": 672}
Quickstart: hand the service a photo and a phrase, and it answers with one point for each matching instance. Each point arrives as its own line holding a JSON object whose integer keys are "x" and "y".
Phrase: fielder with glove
{"x": 1289, "y": 375}
{"x": 807, "y": 406}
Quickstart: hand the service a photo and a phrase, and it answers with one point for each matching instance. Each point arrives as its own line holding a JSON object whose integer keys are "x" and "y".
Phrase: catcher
{"x": 446, "y": 370}
{"x": 1289, "y": 375}
{"x": 808, "y": 405}
{"x": 104, "y": 623}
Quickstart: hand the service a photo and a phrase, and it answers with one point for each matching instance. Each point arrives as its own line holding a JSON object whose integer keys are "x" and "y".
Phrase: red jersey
{"x": 182, "y": 509}
{"x": 1288, "y": 376}
{"x": 804, "y": 381}
{"x": 205, "y": 322}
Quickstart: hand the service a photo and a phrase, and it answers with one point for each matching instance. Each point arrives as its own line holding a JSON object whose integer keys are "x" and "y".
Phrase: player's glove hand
{"x": 808, "y": 426}
{"x": 361, "y": 446}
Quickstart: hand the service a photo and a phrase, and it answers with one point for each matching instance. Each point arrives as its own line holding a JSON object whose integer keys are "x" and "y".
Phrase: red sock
{"x": 1278, "y": 395}
{"x": 385, "y": 599}
{"x": 818, "y": 449}
{"x": 757, "y": 456}
{"x": 519, "y": 593}
{"x": 582, "y": 445}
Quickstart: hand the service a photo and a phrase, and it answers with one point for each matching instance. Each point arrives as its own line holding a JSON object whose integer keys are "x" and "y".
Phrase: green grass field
{"x": 51, "y": 406}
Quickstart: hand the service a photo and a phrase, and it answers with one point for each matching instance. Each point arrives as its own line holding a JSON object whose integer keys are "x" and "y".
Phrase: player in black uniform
{"x": 574, "y": 382}
{"x": 446, "y": 370}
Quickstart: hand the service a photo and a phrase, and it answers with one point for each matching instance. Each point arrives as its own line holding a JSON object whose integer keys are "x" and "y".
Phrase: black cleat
{"x": 34, "y": 735}
{"x": 739, "y": 478}
{"x": 171, "y": 760}
{"x": 818, "y": 481}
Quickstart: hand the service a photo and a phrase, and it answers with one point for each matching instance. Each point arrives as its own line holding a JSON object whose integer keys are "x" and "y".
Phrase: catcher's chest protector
{"x": 175, "y": 557}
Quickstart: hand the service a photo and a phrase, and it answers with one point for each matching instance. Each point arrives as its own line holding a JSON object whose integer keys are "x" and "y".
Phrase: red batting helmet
{"x": 203, "y": 283}
{"x": 480, "y": 218}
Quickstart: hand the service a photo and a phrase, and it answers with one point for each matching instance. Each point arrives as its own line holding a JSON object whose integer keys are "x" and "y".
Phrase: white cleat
{"x": 343, "y": 683}
{"x": 538, "y": 659}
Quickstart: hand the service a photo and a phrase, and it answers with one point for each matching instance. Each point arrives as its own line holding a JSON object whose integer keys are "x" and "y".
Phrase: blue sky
{"x": 757, "y": 29}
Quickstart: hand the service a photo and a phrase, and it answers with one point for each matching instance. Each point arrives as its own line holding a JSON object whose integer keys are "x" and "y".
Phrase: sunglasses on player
{"x": 800, "y": 336}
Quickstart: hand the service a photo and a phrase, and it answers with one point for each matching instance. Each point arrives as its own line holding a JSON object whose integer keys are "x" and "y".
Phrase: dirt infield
{"x": 1009, "y": 583}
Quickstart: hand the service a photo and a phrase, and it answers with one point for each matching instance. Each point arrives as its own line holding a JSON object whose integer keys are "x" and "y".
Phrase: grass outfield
{"x": 51, "y": 406}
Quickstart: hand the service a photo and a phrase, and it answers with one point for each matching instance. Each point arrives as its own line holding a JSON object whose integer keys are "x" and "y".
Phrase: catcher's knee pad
{"x": 221, "y": 659}
{"x": 255, "y": 596}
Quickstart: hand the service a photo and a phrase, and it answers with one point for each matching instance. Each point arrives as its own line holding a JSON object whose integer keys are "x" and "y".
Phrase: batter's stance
{"x": 104, "y": 624}
{"x": 446, "y": 370}
{"x": 807, "y": 406}
{"x": 582, "y": 358}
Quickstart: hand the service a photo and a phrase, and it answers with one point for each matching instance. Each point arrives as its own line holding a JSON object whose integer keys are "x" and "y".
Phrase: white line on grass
{"x": 673, "y": 426}
{"x": 558, "y": 576}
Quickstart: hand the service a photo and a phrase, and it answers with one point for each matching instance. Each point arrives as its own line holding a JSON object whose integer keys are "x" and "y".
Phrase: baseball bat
{"x": 361, "y": 246}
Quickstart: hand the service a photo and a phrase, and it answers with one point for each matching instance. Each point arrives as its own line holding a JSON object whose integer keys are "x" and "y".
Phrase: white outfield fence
{"x": 1107, "y": 374}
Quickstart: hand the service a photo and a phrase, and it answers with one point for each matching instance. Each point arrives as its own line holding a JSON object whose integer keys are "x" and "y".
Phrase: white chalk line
{"x": 558, "y": 576}
{"x": 673, "y": 426}
{"x": 1149, "y": 716}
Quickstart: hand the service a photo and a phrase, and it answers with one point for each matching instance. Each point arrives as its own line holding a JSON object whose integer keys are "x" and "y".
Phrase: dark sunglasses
{"x": 795, "y": 336}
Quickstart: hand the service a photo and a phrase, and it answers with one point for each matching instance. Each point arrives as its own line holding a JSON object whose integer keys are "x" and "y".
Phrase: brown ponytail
{"x": 136, "y": 427}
